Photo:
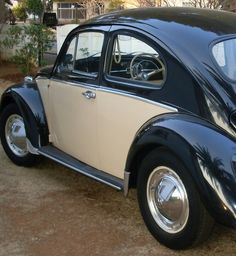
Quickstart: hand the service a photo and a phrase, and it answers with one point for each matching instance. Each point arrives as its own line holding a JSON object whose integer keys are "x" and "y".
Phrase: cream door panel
{"x": 119, "y": 119}
{"x": 73, "y": 121}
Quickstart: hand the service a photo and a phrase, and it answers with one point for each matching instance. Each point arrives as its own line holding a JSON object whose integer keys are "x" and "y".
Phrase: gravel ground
{"x": 49, "y": 210}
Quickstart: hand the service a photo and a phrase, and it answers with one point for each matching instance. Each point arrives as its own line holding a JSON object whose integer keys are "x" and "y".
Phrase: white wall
{"x": 7, "y": 53}
{"x": 62, "y": 32}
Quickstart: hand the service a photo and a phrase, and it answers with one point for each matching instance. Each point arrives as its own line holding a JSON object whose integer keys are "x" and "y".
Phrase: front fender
{"x": 28, "y": 99}
{"x": 207, "y": 151}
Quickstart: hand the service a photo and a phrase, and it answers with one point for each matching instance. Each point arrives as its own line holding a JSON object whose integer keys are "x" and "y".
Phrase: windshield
{"x": 225, "y": 56}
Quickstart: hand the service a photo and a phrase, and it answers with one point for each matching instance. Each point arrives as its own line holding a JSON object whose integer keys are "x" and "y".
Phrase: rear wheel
{"x": 13, "y": 136}
{"x": 169, "y": 202}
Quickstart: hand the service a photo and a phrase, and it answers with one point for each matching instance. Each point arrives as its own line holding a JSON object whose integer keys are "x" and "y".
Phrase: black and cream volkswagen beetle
{"x": 141, "y": 98}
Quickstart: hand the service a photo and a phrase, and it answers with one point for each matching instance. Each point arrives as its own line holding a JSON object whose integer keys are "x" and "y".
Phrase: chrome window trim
{"x": 132, "y": 83}
{"x": 86, "y": 74}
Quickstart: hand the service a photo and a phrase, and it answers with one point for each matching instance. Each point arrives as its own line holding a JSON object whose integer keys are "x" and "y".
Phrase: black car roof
{"x": 174, "y": 21}
{"x": 187, "y": 33}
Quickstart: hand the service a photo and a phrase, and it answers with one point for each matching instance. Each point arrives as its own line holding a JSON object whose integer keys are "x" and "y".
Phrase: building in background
{"x": 76, "y": 12}
{"x": 69, "y": 11}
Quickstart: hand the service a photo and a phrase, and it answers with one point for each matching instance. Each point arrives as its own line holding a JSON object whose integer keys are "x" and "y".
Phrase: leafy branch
{"x": 30, "y": 43}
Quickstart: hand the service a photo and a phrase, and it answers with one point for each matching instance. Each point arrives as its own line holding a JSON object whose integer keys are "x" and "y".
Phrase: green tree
{"x": 30, "y": 42}
{"x": 213, "y": 4}
{"x": 20, "y": 11}
{"x": 35, "y": 7}
{"x": 148, "y": 3}
{"x": 116, "y": 5}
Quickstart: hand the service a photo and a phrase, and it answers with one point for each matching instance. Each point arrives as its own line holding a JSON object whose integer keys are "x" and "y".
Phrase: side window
{"x": 83, "y": 54}
{"x": 135, "y": 60}
{"x": 67, "y": 61}
{"x": 88, "y": 52}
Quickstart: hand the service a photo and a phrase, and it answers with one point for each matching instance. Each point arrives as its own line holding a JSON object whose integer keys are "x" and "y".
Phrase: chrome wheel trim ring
{"x": 167, "y": 199}
{"x": 15, "y": 135}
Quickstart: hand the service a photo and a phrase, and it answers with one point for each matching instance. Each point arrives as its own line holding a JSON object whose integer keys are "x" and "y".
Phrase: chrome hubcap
{"x": 167, "y": 199}
{"x": 15, "y": 135}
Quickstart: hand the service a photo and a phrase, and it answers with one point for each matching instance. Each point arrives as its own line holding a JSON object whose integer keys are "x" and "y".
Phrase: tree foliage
{"x": 20, "y": 11}
{"x": 35, "y": 7}
{"x": 30, "y": 42}
{"x": 149, "y": 3}
{"x": 115, "y": 5}
{"x": 213, "y": 4}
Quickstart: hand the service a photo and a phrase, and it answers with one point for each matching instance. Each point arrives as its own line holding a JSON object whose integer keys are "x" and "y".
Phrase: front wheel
{"x": 169, "y": 202}
{"x": 13, "y": 136}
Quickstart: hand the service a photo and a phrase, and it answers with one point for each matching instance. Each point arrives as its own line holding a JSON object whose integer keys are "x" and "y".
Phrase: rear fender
{"x": 207, "y": 151}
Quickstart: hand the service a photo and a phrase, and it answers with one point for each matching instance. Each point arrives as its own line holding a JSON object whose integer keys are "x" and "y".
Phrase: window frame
{"x": 80, "y": 75}
{"x": 140, "y": 35}
{"x": 219, "y": 69}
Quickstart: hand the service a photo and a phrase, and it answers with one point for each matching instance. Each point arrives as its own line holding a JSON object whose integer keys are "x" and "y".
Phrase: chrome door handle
{"x": 89, "y": 95}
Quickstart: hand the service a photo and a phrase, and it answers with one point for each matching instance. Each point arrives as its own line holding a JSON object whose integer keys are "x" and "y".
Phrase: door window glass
{"x": 83, "y": 54}
{"x": 135, "y": 60}
{"x": 67, "y": 61}
{"x": 88, "y": 52}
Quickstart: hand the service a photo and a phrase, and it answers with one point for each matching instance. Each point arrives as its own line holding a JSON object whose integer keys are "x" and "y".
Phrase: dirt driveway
{"x": 49, "y": 210}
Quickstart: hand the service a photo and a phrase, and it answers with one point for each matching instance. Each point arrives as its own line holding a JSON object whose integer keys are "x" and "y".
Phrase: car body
{"x": 140, "y": 98}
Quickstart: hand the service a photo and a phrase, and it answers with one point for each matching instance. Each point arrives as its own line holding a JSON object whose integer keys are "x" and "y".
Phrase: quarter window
{"x": 83, "y": 54}
{"x": 135, "y": 60}
{"x": 225, "y": 55}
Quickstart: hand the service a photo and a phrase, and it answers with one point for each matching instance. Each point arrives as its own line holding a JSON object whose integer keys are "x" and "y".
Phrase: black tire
{"x": 28, "y": 159}
{"x": 198, "y": 223}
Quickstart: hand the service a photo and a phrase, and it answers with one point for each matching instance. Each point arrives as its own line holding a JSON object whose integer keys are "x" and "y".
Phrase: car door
{"x": 135, "y": 72}
{"x": 72, "y": 97}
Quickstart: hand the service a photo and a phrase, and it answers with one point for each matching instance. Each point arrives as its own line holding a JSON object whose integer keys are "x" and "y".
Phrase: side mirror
{"x": 28, "y": 79}
{"x": 68, "y": 59}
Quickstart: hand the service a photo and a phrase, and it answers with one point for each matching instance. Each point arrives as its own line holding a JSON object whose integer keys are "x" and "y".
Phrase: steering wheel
{"x": 137, "y": 71}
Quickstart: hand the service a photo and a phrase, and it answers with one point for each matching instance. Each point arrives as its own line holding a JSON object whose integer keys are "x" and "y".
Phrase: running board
{"x": 72, "y": 163}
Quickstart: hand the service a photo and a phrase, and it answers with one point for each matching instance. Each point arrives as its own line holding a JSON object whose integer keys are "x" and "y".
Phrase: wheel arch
{"x": 27, "y": 98}
{"x": 6, "y": 101}
{"x": 197, "y": 143}
{"x": 144, "y": 146}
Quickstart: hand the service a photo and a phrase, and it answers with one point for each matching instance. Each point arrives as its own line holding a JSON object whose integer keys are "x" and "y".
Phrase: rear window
{"x": 225, "y": 55}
